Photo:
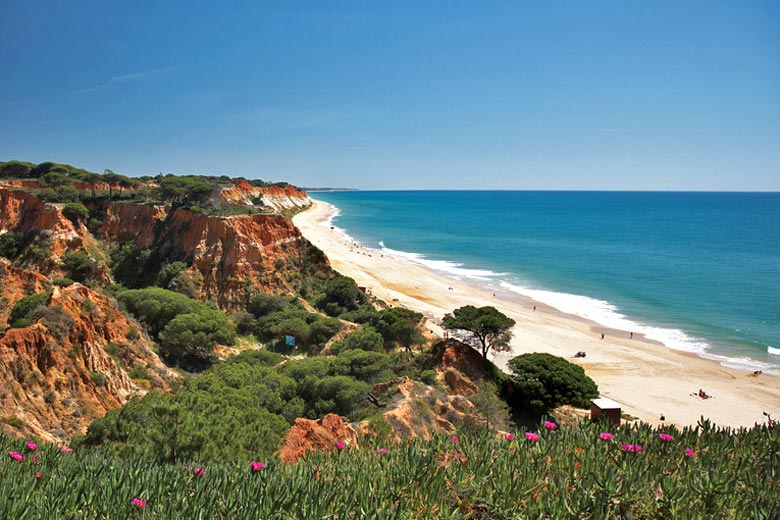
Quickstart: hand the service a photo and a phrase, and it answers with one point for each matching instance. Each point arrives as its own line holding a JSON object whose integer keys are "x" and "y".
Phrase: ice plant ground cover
{"x": 704, "y": 472}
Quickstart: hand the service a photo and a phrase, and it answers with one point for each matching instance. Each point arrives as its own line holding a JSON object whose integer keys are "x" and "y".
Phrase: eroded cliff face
{"x": 15, "y": 284}
{"x": 321, "y": 435}
{"x": 72, "y": 365}
{"x": 231, "y": 258}
{"x": 48, "y": 234}
{"x": 279, "y": 198}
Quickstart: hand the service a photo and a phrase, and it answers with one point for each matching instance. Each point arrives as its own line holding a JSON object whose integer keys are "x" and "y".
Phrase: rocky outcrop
{"x": 417, "y": 410}
{"x": 320, "y": 435}
{"x": 72, "y": 365}
{"x": 15, "y": 284}
{"x": 278, "y": 198}
{"x": 459, "y": 367}
{"x": 48, "y": 234}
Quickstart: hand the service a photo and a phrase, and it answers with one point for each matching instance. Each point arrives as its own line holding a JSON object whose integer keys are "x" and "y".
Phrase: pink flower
{"x": 139, "y": 502}
{"x": 607, "y": 436}
{"x": 531, "y": 436}
{"x": 634, "y": 448}
{"x": 340, "y": 445}
{"x": 16, "y": 456}
{"x": 455, "y": 439}
{"x": 257, "y": 466}
{"x": 550, "y": 425}
{"x": 38, "y": 475}
{"x": 198, "y": 472}
{"x": 34, "y": 459}
{"x": 31, "y": 446}
{"x": 666, "y": 437}
{"x": 510, "y": 436}
{"x": 384, "y": 451}
{"x": 66, "y": 450}
{"x": 689, "y": 453}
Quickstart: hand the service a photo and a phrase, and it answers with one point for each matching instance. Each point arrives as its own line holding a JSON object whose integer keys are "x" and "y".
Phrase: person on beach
{"x": 602, "y": 335}
{"x": 630, "y": 335}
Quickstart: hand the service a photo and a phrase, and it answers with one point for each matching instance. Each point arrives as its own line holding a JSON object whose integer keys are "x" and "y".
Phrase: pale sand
{"x": 645, "y": 377}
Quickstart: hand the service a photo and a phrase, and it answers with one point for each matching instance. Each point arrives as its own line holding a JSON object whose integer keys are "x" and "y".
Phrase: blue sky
{"x": 411, "y": 95}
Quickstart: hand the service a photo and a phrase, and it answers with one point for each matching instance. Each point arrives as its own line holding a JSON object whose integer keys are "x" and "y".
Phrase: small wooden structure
{"x": 603, "y": 408}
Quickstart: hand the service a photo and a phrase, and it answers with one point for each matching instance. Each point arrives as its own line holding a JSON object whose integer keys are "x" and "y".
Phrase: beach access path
{"x": 648, "y": 379}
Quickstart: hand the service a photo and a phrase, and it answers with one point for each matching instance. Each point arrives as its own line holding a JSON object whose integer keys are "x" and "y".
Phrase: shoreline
{"x": 647, "y": 378}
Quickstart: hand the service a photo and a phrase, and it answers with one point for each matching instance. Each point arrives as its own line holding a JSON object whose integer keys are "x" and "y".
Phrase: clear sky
{"x": 419, "y": 94}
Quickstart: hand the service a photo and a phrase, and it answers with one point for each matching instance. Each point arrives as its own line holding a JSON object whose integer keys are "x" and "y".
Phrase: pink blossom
{"x": 531, "y": 436}
{"x": 635, "y": 448}
{"x": 340, "y": 445}
{"x": 455, "y": 439}
{"x": 510, "y": 436}
{"x": 257, "y": 466}
{"x": 66, "y": 450}
{"x": 607, "y": 436}
{"x": 384, "y": 451}
{"x": 198, "y": 472}
{"x": 666, "y": 437}
{"x": 16, "y": 456}
{"x": 31, "y": 446}
{"x": 550, "y": 425}
{"x": 38, "y": 475}
{"x": 34, "y": 459}
{"x": 139, "y": 502}
{"x": 689, "y": 453}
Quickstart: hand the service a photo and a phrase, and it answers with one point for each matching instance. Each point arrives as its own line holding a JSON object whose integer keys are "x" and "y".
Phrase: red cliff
{"x": 71, "y": 366}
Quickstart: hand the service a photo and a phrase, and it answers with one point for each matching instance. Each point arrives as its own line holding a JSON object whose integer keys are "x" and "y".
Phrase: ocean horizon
{"x": 698, "y": 271}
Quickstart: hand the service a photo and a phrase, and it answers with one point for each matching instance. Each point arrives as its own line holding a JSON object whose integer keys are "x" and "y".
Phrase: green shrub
{"x": 97, "y": 378}
{"x": 11, "y": 244}
{"x": 24, "y": 310}
{"x": 75, "y": 212}
{"x": 545, "y": 381}
{"x": 77, "y": 265}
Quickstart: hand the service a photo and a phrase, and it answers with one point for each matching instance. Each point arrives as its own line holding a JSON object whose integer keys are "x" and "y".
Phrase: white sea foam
{"x": 772, "y": 350}
{"x": 606, "y": 314}
{"x": 450, "y": 268}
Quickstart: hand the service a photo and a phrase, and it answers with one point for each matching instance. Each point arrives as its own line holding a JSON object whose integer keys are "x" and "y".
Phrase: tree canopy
{"x": 545, "y": 381}
{"x": 487, "y": 324}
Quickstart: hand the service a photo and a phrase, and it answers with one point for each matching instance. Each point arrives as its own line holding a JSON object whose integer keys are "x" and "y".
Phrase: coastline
{"x": 644, "y": 376}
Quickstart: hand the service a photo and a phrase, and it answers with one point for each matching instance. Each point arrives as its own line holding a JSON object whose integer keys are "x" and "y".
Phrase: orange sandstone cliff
{"x": 72, "y": 365}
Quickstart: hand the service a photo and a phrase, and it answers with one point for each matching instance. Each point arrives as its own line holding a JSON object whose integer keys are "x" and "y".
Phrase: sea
{"x": 697, "y": 271}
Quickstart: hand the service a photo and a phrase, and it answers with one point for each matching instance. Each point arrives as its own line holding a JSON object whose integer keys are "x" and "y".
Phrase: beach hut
{"x": 604, "y": 408}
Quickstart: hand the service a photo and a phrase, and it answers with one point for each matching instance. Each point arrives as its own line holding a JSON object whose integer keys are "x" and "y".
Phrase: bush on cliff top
{"x": 545, "y": 381}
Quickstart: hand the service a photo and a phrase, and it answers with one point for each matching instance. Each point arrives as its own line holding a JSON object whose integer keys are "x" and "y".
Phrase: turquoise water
{"x": 698, "y": 271}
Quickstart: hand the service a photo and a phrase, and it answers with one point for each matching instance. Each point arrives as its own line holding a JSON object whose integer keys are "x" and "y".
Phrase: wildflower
{"x": 510, "y": 436}
{"x": 139, "y": 502}
{"x": 38, "y": 475}
{"x": 34, "y": 459}
{"x": 607, "y": 436}
{"x": 31, "y": 446}
{"x": 531, "y": 436}
{"x": 455, "y": 439}
{"x": 16, "y": 456}
{"x": 384, "y": 451}
{"x": 257, "y": 466}
{"x": 550, "y": 425}
{"x": 66, "y": 450}
{"x": 689, "y": 453}
{"x": 666, "y": 437}
{"x": 340, "y": 445}
{"x": 634, "y": 448}
{"x": 198, "y": 472}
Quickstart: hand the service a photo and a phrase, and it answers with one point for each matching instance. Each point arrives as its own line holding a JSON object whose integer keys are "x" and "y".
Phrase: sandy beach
{"x": 645, "y": 377}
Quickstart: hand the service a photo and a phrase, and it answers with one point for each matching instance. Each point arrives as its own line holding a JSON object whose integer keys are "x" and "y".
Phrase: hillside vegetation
{"x": 585, "y": 471}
